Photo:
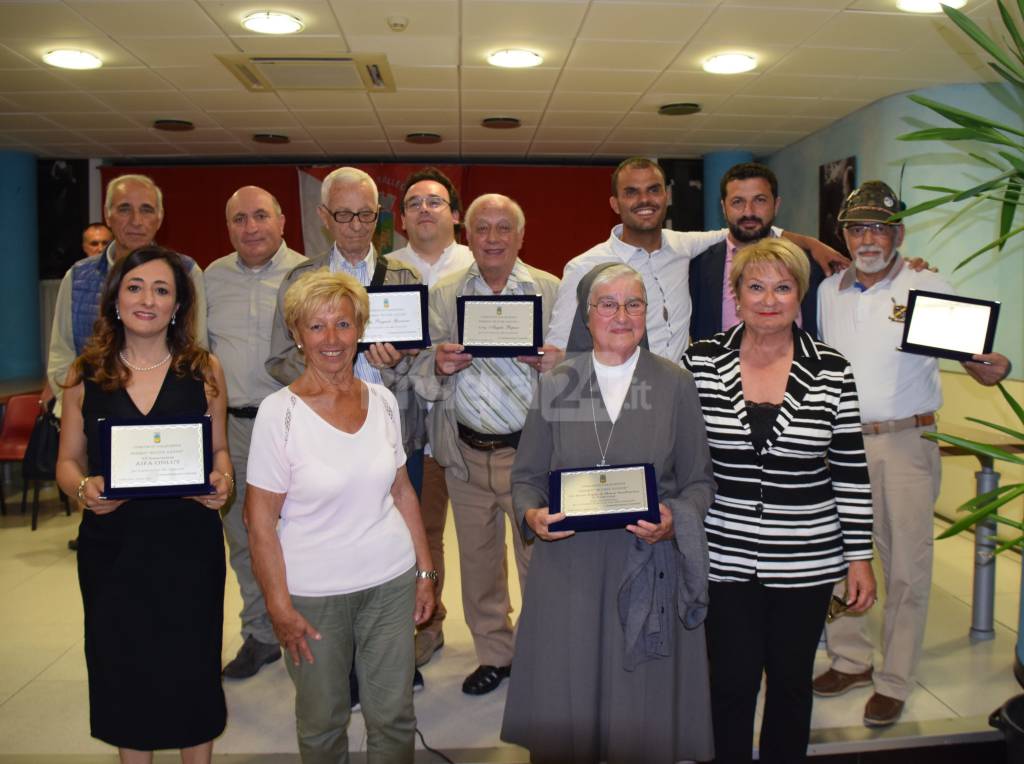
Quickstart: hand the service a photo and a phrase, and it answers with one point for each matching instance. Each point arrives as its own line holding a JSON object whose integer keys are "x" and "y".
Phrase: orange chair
{"x": 19, "y": 419}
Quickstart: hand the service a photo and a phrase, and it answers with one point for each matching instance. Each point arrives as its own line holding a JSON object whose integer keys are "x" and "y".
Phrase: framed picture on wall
{"x": 836, "y": 181}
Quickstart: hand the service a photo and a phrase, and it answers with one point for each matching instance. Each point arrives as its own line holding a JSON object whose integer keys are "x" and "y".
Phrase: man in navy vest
{"x": 134, "y": 210}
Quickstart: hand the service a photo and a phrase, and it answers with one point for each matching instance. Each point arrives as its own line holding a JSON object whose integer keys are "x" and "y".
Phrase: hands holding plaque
{"x": 599, "y": 498}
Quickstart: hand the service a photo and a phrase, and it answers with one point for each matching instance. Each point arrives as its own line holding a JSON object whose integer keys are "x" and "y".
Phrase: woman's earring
{"x": 117, "y": 312}
{"x": 174, "y": 317}
{"x": 298, "y": 345}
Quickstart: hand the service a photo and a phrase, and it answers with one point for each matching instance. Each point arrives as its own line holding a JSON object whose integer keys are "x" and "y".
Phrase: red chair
{"x": 19, "y": 419}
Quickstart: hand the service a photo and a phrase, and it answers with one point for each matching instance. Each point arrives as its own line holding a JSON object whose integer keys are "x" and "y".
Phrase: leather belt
{"x": 486, "y": 442}
{"x": 244, "y": 412}
{"x": 896, "y": 425}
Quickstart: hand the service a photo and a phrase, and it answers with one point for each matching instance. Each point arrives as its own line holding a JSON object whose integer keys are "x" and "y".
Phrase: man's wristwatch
{"x": 431, "y": 574}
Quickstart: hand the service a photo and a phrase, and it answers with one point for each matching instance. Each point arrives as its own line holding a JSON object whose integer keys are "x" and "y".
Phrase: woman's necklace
{"x": 593, "y": 409}
{"x": 133, "y": 367}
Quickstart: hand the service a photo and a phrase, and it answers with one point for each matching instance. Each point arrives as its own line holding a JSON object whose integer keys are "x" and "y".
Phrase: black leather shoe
{"x": 252, "y": 656}
{"x": 485, "y": 679}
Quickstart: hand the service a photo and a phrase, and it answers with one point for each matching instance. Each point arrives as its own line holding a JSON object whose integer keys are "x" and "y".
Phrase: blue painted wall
{"x": 870, "y": 134}
{"x": 19, "y": 283}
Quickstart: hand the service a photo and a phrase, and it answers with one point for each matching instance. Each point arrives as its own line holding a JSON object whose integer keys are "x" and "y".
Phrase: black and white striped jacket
{"x": 797, "y": 512}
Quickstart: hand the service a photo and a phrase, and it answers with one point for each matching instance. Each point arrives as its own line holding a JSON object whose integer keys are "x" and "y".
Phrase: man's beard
{"x": 742, "y": 236}
{"x": 874, "y": 265}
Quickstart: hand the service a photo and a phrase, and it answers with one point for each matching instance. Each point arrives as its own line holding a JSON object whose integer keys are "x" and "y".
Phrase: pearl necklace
{"x": 133, "y": 367}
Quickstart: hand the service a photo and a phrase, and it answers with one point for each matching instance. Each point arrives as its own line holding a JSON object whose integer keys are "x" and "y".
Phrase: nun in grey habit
{"x": 611, "y": 663}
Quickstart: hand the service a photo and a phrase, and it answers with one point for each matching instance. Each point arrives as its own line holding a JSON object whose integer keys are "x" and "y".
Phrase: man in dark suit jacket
{"x": 750, "y": 200}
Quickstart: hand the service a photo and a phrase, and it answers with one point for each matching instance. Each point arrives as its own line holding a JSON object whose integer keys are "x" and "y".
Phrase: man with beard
{"x": 662, "y": 256}
{"x": 750, "y": 201}
{"x": 861, "y": 314}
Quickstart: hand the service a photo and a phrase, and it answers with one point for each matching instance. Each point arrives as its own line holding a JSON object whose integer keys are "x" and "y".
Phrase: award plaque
{"x": 948, "y": 326}
{"x": 599, "y": 498}
{"x": 398, "y": 314}
{"x": 156, "y": 457}
{"x": 500, "y": 326}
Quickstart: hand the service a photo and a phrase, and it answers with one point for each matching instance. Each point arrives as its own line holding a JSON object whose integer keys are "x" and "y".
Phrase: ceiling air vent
{"x": 263, "y": 74}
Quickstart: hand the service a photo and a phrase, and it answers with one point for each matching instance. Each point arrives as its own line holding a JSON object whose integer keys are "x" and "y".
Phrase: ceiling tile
{"x": 617, "y": 102}
{"x": 606, "y": 80}
{"x": 293, "y": 45}
{"x": 76, "y": 120}
{"x": 315, "y": 100}
{"x": 357, "y": 148}
{"x": 178, "y": 51}
{"x": 45, "y": 102}
{"x": 752, "y": 27}
{"x": 493, "y": 78}
{"x": 428, "y": 17}
{"x": 891, "y": 31}
{"x": 21, "y": 80}
{"x": 338, "y": 118}
{"x": 53, "y": 20}
{"x": 531, "y": 100}
{"x": 648, "y": 135}
{"x": 120, "y": 136}
{"x": 218, "y": 149}
{"x": 112, "y": 54}
{"x": 702, "y": 82}
{"x": 191, "y": 78}
{"x": 758, "y": 105}
{"x": 494, "y": 149}
{"x": 480, "y": 18}
{"x": 428, "y": 77}
{"x": 144, "y": 101}
{"x": 255, "y": 120}
{"x": 24, "y": 122}
{"x": 106, "y": 80}
{"x": 11, "y": 60}
{"x": 643, "y": 21}
{"x": 568, "y": 134}
{"x": 218, "y": 100}
{"x": 581, "y": 118}
{"x": 345, "y": 134}
{"x": 316, "y": 15}
{"x": 608, "y": 54}
{"x": 480, "y": 133}
{"x": 169, "y": 17}
{"x": 417, "y": 99}
{"x": 414, "y": 116}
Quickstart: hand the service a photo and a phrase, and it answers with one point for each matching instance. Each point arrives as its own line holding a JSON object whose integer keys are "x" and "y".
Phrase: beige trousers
{"x": 905, "y": 477}
{"x": 479, "y": 507}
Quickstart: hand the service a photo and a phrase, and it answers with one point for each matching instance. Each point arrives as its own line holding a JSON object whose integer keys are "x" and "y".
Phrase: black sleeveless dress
{"x": 152, "y": 579}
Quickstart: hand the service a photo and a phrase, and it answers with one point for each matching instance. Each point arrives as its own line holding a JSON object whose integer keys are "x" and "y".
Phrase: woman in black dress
{"x": 151, "y": 570}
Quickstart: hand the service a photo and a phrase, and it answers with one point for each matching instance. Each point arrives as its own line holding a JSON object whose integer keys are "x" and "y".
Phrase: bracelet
{"x": 431, "y": 574}
{"x": 80, "y": 493}
{"x": 231, "y": 480}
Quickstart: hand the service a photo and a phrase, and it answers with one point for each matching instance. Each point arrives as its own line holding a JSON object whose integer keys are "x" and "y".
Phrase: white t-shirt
{"x": 339, "y": 530}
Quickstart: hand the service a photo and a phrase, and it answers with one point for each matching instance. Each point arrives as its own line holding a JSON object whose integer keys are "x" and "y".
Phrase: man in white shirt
{"x": 861, "y": 314}
{"x": 241, "y": 292}
{"x": 430, "y": 211}
{"x": 662, "y": 256}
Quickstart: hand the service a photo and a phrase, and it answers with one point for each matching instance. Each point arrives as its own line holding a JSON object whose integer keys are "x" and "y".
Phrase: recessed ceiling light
{"x": 515, "y": 58}
{"x": 73, "y": 59}
{"x": 423, "y": 139}
{"x": 271, "y": 138}
{"x": 501, "y": 123}
{"x": 174, "y": 125}
{"x": 271, "y": 22}
{"x": 928, "y": 6}
{"x": 730, "y": 63}
{"x": 678, "y": 109}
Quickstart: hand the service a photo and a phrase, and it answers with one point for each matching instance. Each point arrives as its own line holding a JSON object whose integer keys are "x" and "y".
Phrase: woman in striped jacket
{"x": 793, "y": 510}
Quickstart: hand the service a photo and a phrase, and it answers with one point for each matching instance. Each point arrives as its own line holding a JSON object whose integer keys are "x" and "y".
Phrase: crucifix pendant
{"x": 602, "y": 463}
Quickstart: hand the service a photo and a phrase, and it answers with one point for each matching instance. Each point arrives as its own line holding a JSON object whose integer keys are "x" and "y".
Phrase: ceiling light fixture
{"x": 730, "y": 63}
{"x": 501, "y": 123}
{"x": 514, "y": 58}
{"x": 276, "y": 138}
{"x": 73, "y": 59}
{"x": 271, "y": 22}
{"x": 174, "y": 125}
{"x": 928, "y": 6}
{"x": 423, "y": 139}
{"x": 678, "y": 109}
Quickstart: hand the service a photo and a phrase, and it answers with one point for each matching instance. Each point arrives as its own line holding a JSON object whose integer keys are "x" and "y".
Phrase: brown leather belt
{"x": 896, "y": 425}
{"x": 482, "y": 441}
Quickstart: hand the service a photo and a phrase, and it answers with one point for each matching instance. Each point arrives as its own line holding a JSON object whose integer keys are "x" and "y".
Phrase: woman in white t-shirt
{"x": 335, "y": 532}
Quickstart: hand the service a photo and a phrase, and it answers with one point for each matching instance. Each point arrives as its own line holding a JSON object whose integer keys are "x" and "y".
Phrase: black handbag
{"x": 40, "y": 462}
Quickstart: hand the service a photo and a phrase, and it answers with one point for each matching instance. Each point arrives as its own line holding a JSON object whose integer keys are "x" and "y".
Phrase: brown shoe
{"x": 881, "y": 711}
{"x": 427, "y": 643}
{"x": 833, "y": 682}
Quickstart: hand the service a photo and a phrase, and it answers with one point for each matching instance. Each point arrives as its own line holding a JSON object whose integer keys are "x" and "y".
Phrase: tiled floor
{"x": 44, "y": 709}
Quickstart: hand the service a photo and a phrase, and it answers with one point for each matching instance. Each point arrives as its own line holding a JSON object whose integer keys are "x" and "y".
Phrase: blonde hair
{"x": 773, "y": 252}
{"x": 323, "y": 289}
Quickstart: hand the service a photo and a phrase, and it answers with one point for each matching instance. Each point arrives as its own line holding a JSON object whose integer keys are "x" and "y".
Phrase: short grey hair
{"x": 614, "y": 273}
{"x": 497, "y": 200}
{"x": 142, "y": 180}
{"x": 350, "y": 175}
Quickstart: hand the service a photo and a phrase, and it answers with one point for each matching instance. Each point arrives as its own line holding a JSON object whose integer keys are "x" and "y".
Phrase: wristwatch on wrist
{"x": 431, "y": 574}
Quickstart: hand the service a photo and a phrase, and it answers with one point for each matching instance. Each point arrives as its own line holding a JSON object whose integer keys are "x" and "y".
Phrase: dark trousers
{"x": 752, "y": 629}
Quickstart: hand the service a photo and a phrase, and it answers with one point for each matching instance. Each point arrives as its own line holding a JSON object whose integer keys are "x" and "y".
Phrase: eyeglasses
{"x": 346, "y": 216}
{"x": 609, "y": 308}
{"x": 879, "y": 229}
{"x": 97, "y": 242}
{"x": 432, "y": 202}
{"x": 836, "y": 607}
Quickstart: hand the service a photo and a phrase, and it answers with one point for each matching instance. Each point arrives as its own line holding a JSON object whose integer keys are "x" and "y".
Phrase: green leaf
{"x": 1003, "y": 520}
{"x": 955, "y": 134}
{"x": 1017, "y": 408}
{"x": 923, "y": 206}
{"x": 1008, "y": 76}
{"x": 983, "y": 498}
{"x": 961, "y": 117}
{"x": 940, "y": 189}
{"x": 1011, "y": 27}
{"x": 991, "y": 245}
{"x": 1006, "y": 430}
{"x": 1013, "y": 159}
{"x": 1009, "y": 207}
{"x": 975, "y": 447}
{"x": 962, "y": 212}
{"x": 988, "y": 160}
{"x": 1010, "y": 544}
{"x": 975, "y": 32}
{"x": 981, "y": 513}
